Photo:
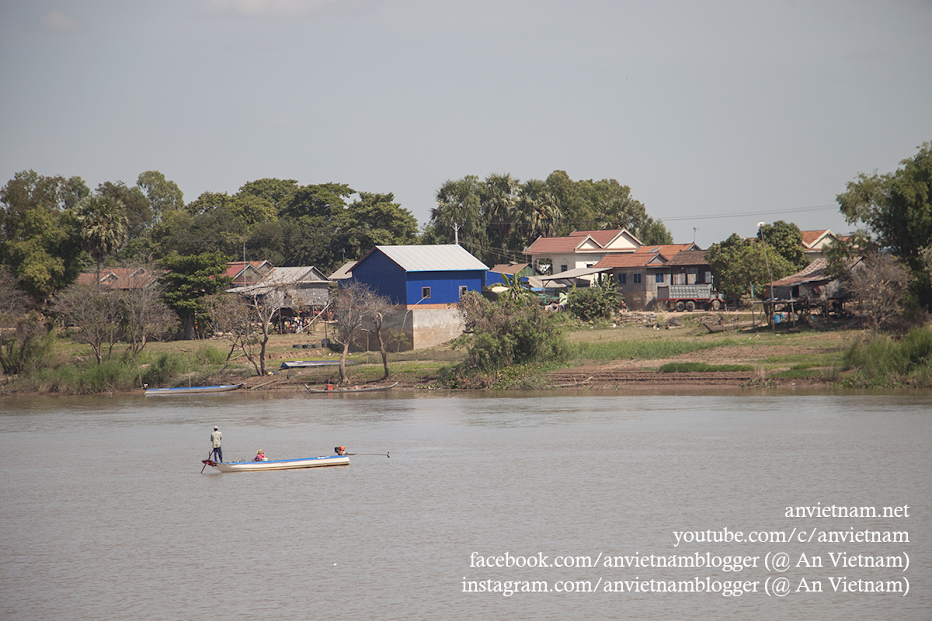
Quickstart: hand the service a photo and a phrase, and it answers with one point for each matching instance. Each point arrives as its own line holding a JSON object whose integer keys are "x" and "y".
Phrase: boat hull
{"x": 192, "y": 390}
{"x": 281, "y": 464}
{"x": 349, "y": 391}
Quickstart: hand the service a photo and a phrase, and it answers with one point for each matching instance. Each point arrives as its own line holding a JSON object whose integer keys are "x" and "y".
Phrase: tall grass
{"x": 154, "y": 369}
{"x": 882, "y": 362}
{"x": 643, "y": 350}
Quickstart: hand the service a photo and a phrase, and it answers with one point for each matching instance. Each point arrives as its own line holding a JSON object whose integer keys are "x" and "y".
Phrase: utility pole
{"x": 456, "y": 232}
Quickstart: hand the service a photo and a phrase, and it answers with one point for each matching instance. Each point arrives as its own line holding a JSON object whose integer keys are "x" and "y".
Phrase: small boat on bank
{"x": 280, "y": 464}
{"x": 192, "y": 390}
{"x": 331, "y": 390}
{"x": 304, "y": 364}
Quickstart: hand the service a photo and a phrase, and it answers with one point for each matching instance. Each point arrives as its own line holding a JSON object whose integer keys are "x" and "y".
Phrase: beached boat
{"x": 301, "y": 364}
{"x": 280, "y": 464}
{"x": 191, "y": 390}
{"x": 331, "y": 389}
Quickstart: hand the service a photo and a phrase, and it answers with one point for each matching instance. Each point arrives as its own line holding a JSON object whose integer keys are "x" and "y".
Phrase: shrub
{"x": 506, "y": 333}
{"x": 596, "y": 302}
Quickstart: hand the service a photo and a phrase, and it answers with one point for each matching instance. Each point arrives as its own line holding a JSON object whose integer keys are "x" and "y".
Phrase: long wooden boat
{"x": 354, "y": 389}
{"x": 191, "y": 390}
{"x": 280, "y": 464}
{"x": 300, "y": 364}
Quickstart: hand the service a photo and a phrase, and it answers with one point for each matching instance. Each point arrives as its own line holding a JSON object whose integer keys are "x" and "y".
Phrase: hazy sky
{"x": 718, "y": 115}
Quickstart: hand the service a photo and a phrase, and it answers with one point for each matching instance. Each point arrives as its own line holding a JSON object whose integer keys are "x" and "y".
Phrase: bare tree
{"x": 880, "y": 285}
{"x": 145, "y": 316}
{"x": 377, "y": 308}
{"x": 245, "y": 319}
{"x": 356, "y": 305}
{"x": 96, "y": 314}
{"x": 24, "y": 334}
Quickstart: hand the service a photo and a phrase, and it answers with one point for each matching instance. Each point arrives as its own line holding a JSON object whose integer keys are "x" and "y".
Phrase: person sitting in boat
{"x": 260, "y": 456}
{"x": 339, "y": 450}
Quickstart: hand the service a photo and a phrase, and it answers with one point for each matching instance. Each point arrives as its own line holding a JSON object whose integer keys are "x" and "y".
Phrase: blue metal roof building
{"x": 426, "y": 276}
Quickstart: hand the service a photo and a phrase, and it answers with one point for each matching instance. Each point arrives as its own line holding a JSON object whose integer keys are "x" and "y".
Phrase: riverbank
{"x": 631, "y": 355}
{"x": 664, "y": 351}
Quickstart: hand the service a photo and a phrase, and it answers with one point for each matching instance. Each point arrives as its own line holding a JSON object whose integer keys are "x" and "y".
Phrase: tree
{"x": 895, "y": 210}
{"x": 506, "y": 333}
{"x": 164, "y": 196}
{"x": 25, "y": 340}
{"x": 145, "y": 317}
{"x": 498, "y": 199}
{"x": 102, "y": 227}
{"x": 325, "y": 201}
{"x": 786, "y": 240}
{"x": 739, "y": 264}
{"x": 376, "y": 220}
{"x": 137, "y": 211}
{"x": 537, "y": 214}
{"x": 457, "y": 214}
{"x": 96, "y": 314}
{"x": 355, "y": 306}
{"x": 278, "y": 192}
{"x": 189, "y": 280}
{"x": 599, "y": 301}
{"x": 879, "y": 284}
{"x": 38, "y": 233}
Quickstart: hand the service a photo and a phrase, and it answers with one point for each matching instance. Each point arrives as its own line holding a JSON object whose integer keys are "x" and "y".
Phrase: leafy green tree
{"x": 895, "y": 211}
{"x": 164, "y": 196}
{"x": 506, "y": 333}
{"x": 25, "y": 338}
{"x": 599, "y": 301}
{"x": 101, "y": 227}
{"x": 737, "y": 264}
{"x": 136, "y": 208}
{"x": 786, "y": 240}
{"x": 38, "y": 234}
{"x": 377, "y": 220}
{"x": 189, "y": 280}
{"x": 326, "y": 201}
{"x": 278, "y": 192}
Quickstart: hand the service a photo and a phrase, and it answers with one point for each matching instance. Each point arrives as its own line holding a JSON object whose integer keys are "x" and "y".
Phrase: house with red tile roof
{"x": 814, "y": 242}
{"x": 121, "y": 278}
{"x": 244, "y": 273}
{"x": 637, "y": 275}
{"x": 550, "y": 256}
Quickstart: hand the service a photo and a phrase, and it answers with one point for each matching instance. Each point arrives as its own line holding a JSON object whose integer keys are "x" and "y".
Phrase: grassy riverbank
{"x": 641, "y": 350}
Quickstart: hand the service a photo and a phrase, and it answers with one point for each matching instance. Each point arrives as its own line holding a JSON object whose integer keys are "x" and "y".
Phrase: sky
{"x": 717, "y": 114}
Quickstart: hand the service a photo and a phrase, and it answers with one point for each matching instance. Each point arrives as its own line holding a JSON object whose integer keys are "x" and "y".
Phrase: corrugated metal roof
{"x": 439, "y": 258}
{"x": 576, "y": 273}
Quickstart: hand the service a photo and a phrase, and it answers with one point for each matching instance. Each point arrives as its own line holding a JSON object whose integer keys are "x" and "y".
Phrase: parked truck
{"x": 689, "y": 297}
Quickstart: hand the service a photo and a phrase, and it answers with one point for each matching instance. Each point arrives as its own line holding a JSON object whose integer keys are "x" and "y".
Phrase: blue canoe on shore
{"x": 191, "y": 390}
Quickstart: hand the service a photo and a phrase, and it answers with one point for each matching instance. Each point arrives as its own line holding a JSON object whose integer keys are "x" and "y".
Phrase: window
{"x": 563, "y": 267}
{"x": 658, "y": 278}
{"x": 425, "y": 293}
{"x": 623, "y": 278}
{"x": 463, "y": 290}
{"x": 637, "y": 279}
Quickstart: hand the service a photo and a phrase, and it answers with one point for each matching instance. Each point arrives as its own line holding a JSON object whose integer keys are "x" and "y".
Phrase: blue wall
{"x": 386, "y": 277}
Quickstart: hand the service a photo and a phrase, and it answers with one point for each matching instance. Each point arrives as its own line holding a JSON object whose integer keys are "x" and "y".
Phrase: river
{"x": 532, "y": 506}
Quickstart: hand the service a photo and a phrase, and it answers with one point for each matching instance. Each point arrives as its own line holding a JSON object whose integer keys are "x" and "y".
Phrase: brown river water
{"x": 535, "y": 506}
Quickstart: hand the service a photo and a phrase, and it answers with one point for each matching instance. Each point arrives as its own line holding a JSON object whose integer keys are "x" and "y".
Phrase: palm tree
{"x": 499, "y": 198}
{"x": 537, "y": 211}
{"x": 103, "y": 227}
{"x": 458, "y": 206}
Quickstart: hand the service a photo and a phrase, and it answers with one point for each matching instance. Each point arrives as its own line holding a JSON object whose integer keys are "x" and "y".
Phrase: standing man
{"x": 215, "y": 439}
